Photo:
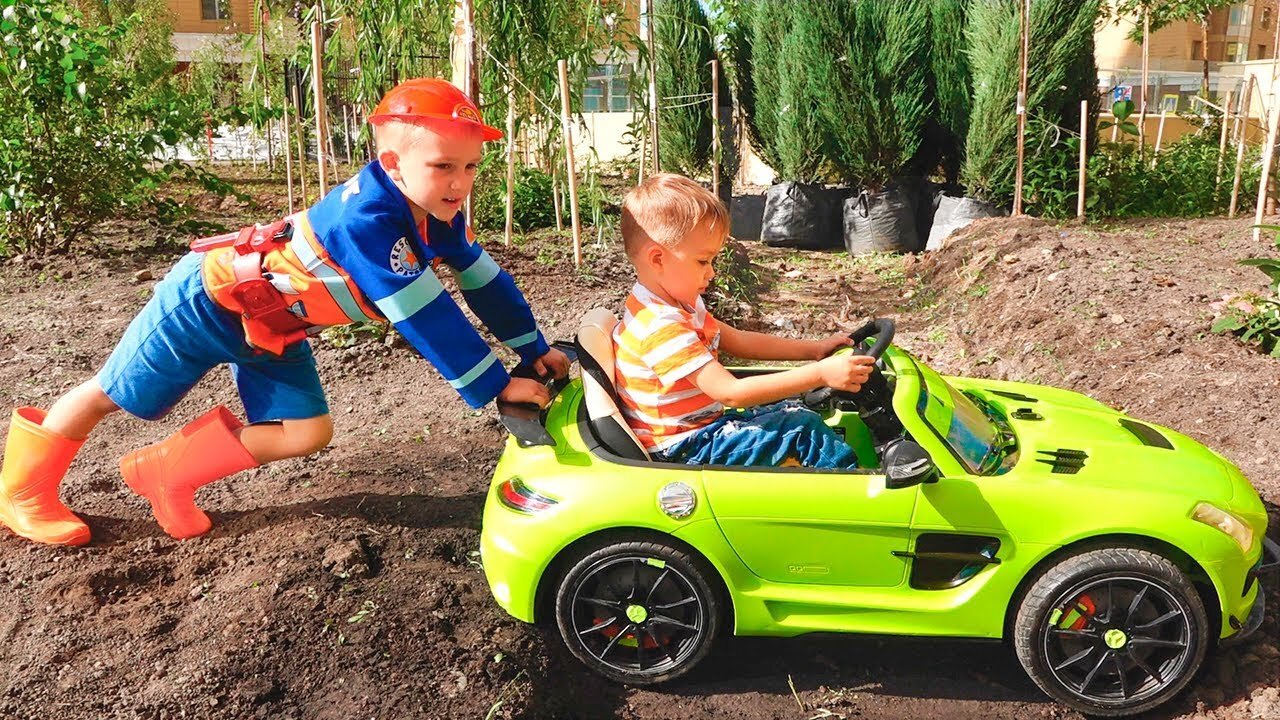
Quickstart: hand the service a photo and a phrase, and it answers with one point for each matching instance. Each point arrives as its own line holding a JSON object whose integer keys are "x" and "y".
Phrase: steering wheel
{"x": 882, "y": 330}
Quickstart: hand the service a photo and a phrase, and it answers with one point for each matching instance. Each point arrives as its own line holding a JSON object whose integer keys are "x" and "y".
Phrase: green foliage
{"x": 1179, "y": 182}
{"x": 683, "y": 47}
{"x": 1256, "y": 318}
{"x": 532, "y": 206}
{"x": 800, "y": 139}
{"x": 950, "y": 88}
{"x": 86, "y": 106}
{"x": 1121, "y": 110}
{"x": 1061, "y": 74}
{"x": 869, "y": 66}
{"x": 768, "y": 20}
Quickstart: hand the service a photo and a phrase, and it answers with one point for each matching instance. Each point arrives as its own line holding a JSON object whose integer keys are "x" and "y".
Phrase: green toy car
{"x": 1113, "y": 554}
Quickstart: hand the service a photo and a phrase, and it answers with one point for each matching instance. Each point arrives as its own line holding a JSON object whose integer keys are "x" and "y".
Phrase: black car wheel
{"x": 638, "y": 612}
{"x": 1112, "y": 631}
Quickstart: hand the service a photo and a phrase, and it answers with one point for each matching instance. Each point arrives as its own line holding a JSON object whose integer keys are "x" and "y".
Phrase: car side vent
{"x": 1013, "y": 396}
{"x": 1026, "y": 414}
{"x": 1148, "y": 435}
{"x": 1067, "y": 462}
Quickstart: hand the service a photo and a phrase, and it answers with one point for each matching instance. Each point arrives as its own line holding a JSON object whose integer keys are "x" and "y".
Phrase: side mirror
{"x": 907, "y": 464}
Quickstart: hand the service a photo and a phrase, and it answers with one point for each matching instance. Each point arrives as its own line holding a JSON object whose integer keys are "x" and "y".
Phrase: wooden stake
{"x": 1222, "y": 140}
{"x": 1025, "y": 30}
{"x": 1159, "y": 136}
{"x": 317, "y": 90}
{"x": 715, "y": 128}
{"x": 346, "y": 130}
{"x": 288, "y": 158}
{"x": 1146, "y": 59}
{"x": 570, "y": 171}
{"x": 555, "y": 197}
{"x": 1268, "y": 156}
{"x": 511, "y": 161}
{"x": 647, "y": 8}
{"x": 266, "y": 94}
{"x": 300, "y": 135}
{"x": 1084, "y": 155}
{"x": 1244, "y": 130}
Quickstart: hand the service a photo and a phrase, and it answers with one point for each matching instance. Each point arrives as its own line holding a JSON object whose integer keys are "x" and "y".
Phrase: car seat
{"x": 604, "y": 418}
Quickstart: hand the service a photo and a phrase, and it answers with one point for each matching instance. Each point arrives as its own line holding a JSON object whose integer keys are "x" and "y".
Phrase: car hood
{"x": 1074, "y": 438}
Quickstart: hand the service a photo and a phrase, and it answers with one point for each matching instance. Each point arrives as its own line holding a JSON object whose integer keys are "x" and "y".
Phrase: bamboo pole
{"x": 299, "y": 135}
{"x": 1025, "y": 31}
{"x": 1159, "y": 136}
{"x": 555, "y": 197}
{"x": 346, "y": 130}
{"x": 1146, "y": 60}
{"x": 288, "y": 157}
{"x": 715, "y": 128}
{"x": 570, "y": 171}
{"x": 266, "y": 95}
{"x": 1244, "y": 130}
{"x": 1084, "y": 155}
{"x": 647, "y": 9}
{"x": 511, "y": 161}
{"x": 317, "y": 90}
{"x": 1268, "y": 156}
{"x": 1222, "y": 140}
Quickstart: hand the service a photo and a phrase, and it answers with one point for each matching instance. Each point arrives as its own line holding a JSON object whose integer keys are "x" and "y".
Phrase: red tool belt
{"x": 268, "y": 324}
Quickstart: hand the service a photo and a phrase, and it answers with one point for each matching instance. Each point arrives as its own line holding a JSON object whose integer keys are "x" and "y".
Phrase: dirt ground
{"x": 347, "y": 585}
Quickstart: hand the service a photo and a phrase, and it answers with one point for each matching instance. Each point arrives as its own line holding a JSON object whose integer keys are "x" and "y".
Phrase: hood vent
{"x": 1066, "y": 462}
{"x": 1013, "y": 396}
{"x": 1146, "y": 434}
{"x": 1026, "y": 414}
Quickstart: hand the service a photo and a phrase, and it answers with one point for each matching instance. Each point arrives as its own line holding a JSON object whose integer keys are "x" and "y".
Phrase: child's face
{"x": 435, "y": 171}
{"x": 684, "y": 272}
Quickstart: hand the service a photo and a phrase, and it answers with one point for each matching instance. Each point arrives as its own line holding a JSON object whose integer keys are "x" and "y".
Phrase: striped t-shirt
{"x": 657, "y": 346}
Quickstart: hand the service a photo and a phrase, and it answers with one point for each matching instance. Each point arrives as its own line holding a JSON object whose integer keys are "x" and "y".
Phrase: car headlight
{"x": 1214, "y": 516}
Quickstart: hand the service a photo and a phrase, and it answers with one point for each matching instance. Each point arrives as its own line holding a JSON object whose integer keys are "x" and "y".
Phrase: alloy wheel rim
{"x": 1117, "y": 640}
{"x": 637, "y": 615}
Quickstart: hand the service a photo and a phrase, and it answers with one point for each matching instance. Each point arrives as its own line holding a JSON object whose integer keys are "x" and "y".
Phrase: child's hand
{"x": 524, "y": 390}
{"x": 828, "y": 345}
{"x": 846, "y": 372}
{"x": 554, "y": 362}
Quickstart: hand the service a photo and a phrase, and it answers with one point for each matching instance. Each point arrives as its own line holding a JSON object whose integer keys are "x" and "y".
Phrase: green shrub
{"x": 86, "y": 107}
{"x": 532, "y": 206}
{"x": 769, "y": 20}
{"x": 1255, "y": 318}
{"x": 1061, "y": 73}
{"x": 801, "y": 140}
{"x": 683, "y": 41}
{"x": 950, "y": 88}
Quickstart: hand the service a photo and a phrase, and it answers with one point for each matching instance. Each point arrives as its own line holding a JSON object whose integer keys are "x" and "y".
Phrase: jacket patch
{"x": 404, "y": 261}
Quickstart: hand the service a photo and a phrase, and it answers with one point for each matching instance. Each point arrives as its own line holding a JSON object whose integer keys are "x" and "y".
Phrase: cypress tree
{"x": 870, "y": 68}
{"x": 683, "y": 46}
{"x": 801, "y": 141}
{"x": 769, "y": 22}
{"x": 1061, "y": 73}
{"x": 949, "y": 88}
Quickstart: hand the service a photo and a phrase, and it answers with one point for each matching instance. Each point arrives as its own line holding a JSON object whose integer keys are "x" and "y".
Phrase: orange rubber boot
{"x": 168, "y": 473}
{"x": 35, "y": 460}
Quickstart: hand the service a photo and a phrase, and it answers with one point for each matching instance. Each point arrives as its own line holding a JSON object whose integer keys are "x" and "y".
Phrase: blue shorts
{"x": 765, "y": 436}
{"x": 181, "y": 334}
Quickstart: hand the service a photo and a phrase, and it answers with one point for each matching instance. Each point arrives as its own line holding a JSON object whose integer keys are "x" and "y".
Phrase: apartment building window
{"x": 607, "y": 90}
{"x": 1197, "y": 50}
{"x": 1265, "y": 19}
{"x": 1235, "y": 52}
{"x": 1262, "y": 53}
{"x": 215, "y": 10}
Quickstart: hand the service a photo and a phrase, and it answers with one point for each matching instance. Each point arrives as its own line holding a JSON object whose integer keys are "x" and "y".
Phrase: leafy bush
{"x": 683, "y": 41}
{"x": 769, "y": 19}
{"x": 1255, "y": 318}
{"x": 1061, "y": 74}
{"x": 532, "y": 206}
{"x": 950, "y": 89}
{"x": 800, "y": 140}
{"x": 86, "y": 107}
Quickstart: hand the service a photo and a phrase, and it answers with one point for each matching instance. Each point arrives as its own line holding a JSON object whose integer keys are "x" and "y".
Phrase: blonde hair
{"x": 396, "y": 136}
{"x": 665, "y": 208}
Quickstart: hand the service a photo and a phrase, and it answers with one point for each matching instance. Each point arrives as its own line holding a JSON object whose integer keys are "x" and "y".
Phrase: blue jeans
{"x": 766, "y": 435}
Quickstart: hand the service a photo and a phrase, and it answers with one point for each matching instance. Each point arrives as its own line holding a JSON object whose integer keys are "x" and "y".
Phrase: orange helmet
{"x": 424, "y": 100}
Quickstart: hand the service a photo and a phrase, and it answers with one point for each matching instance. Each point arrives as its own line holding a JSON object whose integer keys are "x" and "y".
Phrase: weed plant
{"x": 1255, "y": 317}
